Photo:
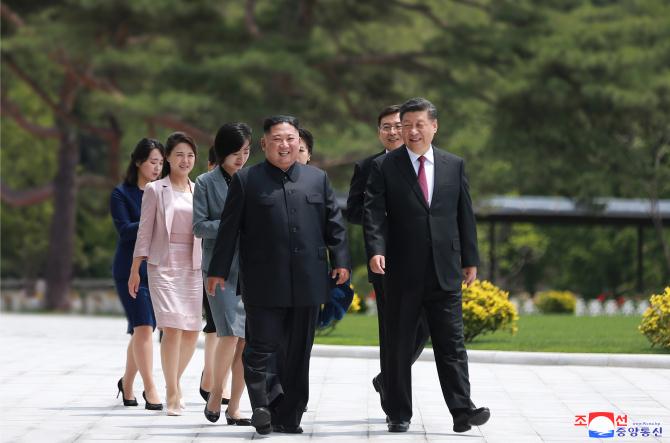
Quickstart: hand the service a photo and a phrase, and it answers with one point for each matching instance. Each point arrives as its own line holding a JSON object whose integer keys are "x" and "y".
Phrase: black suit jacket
{"x": 399, "y": 224}
{"x": 359, "y": 180}
{"x": 288, "y": 225}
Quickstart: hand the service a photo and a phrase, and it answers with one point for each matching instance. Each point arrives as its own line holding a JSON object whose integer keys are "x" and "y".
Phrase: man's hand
{"x": 378, "y": 264}
{"x": 212, "y": 282}
{"x": 343, "y": 275}
{"x": 469, "y": 275}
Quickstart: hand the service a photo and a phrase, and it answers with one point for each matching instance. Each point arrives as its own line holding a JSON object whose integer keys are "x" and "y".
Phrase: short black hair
{"x": 211, "y": 156}
{"x": 418, "y": 104}
{"x": 393, "y": 109}
{"x": 308, "y": 137}
{"x": 269, "y": 122}
{"x": 139, "y": 155}
{"x": 230, "y": 138}
{"x": 173, "y": 140}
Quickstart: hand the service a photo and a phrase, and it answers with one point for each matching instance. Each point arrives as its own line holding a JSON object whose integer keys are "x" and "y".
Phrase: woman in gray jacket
{"x": 232, "y": 146}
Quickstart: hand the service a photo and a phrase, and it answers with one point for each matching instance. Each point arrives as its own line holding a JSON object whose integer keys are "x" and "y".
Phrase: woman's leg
{"x": 130, "y": 372}
{"x": 208, "y": 370}
{"x": 225, "y": 352}
{"x": 143, "y": 353}
{"x": 238, "y": 381}
{"x": 170, "y": 356}
{"x": 189, "y": 340}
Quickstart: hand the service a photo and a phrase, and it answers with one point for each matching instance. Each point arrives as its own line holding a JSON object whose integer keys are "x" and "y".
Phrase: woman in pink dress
{"x": 165, "y": 240}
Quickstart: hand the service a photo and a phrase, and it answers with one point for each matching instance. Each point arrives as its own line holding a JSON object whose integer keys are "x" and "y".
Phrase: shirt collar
{"x": 291, "y": 173}
{"x": 227, "y": 177}
{"x": 429, "y": 155}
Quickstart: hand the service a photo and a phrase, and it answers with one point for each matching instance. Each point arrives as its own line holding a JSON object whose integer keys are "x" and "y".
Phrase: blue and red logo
{"x": 601, "y": 424}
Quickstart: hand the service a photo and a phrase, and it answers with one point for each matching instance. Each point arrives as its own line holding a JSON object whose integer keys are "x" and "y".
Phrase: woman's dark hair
{"x": 308, "y": 138}
{"x": 139, "y": 155}
{"x": 230, "y": 138}
{"x": 211, "y": 156}
{"x": 173, "y": 140}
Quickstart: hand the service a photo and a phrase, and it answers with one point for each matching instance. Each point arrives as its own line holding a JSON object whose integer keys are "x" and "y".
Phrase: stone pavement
{"x": 58, "y": 379}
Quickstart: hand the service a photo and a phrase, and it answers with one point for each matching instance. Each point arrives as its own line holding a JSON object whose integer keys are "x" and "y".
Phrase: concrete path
{"x": 58, "y": 383}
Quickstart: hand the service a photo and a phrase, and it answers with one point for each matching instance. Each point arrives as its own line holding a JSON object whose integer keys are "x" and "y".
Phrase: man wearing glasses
{"x": 389, "y": 132}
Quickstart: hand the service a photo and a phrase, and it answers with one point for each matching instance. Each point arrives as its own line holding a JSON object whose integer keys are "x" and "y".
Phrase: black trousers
{"x": 276, "y": 359}
{"x": 421, "y": 336}
{"x": 444, "y": 315}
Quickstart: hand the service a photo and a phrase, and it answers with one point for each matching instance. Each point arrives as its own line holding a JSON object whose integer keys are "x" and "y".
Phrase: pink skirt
{"x": 176, "y": 290}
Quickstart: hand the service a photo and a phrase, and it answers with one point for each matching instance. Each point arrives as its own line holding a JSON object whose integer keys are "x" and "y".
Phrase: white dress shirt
{"x": 428, "y": 167}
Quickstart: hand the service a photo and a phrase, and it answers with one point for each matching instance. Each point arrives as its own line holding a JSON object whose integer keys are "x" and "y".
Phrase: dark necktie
{"x": 423, "y": 183}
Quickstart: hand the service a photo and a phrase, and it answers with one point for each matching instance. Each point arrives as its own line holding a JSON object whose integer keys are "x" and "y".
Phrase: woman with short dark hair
{"x": 173, "y": 254}
{"x": 146, "y": 163}
{"x": 232, "y": 145}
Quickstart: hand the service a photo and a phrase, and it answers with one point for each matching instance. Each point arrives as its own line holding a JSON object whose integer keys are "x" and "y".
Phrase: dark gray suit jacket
{"x": 399, "y": 224}
{"x": 289, "y": 227}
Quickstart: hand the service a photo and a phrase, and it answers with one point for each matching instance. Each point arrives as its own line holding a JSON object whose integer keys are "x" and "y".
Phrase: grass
{"x": 546, "y": 333}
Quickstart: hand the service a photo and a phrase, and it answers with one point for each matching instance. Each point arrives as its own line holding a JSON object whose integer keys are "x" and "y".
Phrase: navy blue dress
{"x": 125, "y": 206}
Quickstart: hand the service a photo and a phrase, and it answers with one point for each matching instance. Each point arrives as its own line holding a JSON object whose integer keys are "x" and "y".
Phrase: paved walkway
{"x": 58, "y": 377}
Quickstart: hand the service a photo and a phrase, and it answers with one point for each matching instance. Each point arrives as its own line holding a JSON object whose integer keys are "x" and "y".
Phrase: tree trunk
{"x": 63, "y": 222}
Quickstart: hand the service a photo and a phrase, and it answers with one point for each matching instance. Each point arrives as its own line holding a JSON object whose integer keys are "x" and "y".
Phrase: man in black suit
{"x": 289, "y": 228}
{"x": 421, "y": 235}
{"x": 389, "y": 131}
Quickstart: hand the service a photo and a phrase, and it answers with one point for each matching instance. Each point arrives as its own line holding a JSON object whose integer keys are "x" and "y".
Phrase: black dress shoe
{"x": 398, "y": 425}
{"x": 211, "y": 415}
{"x": 237, "y": 421}
{"x": 377, "y": 384}
{"x": 464, "y": 420}
{"x": 261, "y": 420}
{"x": 151, "y": 406}
{"x": 132, "y": 402}
{"x": 287, "y": 429}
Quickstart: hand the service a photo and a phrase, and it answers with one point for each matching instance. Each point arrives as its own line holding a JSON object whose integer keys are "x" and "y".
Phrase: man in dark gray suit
{"x": 290, "y": 229}
{"x": 389, "y": 132}
{"x": 421, "y": 235}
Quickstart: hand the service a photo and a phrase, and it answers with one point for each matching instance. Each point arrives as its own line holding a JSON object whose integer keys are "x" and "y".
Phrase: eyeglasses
{"x": 390, "y": 128}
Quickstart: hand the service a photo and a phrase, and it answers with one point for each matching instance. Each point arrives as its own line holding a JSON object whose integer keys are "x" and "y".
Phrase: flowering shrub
{"x": 556, "y": 302}
{"x": 486, "y": 308}
{"x": 656, "y": 320}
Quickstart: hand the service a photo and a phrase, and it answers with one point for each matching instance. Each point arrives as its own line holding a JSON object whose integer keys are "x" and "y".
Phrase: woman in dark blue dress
{"x": 146, "y": 163}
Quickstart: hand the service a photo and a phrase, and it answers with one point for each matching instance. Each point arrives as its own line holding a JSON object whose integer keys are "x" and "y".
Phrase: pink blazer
{"x": 153, "y": 234}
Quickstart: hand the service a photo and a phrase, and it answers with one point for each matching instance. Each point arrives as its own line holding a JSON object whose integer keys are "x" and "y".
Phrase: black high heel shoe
{"x": 132, "y": 402}
{"x": 211, "y": 415}
{"x": 237, "y": 421}
{"x": 151, "y": 406}
{"x": 205, "y": 394}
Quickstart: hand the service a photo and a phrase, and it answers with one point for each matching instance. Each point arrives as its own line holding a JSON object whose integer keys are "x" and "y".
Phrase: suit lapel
{"x": 440, "y": 174}
{"x": 404, "y": 164}
{"x": 167, "y": 203}
{"x": 220, "y": 185}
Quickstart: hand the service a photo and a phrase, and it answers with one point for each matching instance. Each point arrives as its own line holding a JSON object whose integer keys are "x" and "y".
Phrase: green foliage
{"x": 540, "y": 98}
{"x": 556, "y": 302}
{"x": 656, "y": 320}
{"x": 486, "y": 309}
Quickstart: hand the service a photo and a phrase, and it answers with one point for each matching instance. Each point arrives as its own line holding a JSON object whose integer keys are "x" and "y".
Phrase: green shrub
{"x": 556, "y": 302}
{"x": 486, "y": 309}
{"x": 656, "y": 320}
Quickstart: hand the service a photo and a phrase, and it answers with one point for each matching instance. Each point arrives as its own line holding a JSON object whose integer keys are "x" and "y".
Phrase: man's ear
{"x": 263, "y": 143}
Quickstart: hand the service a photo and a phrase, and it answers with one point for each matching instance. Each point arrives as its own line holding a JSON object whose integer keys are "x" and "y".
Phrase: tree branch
{"x": 11, "y": 16}
{"x": 178, "y": 125}
{"x": 250, "y": 19}
{"x": 11, "y": 109}
{"x": 32, "y": 196}
{"x": 85, "y": 76}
